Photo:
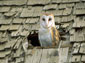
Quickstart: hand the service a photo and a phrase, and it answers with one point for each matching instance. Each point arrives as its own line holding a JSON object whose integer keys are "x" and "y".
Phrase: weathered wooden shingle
{"x": 10, "y": 44}
{"x": 13, "y": 2}
{"x": 18, "y": 21}
{"x": 79, "y": 9}
{"x": 14, "y": 27}
{"x": 4, "y": 53}
{"x": 4, "y": 9}
{"x": 83, "y": 58}
{"x": 62, "y": 6}
{"x": 67, "y": 11}
{"x": 78, "y": 23}
{"x": 56, "y": 1}
{"x": 58, "y": 19}
{"x": 3, "y": 40}
{"x": 5, "y": 21}
{"x": 76, "y": 58}
{"x": 27, "y": 12}
{"x": 38, "y": 2}
{"x": 82, "y": 48}
{"x": 18, "y": 43}
{"x": 34, "y": 20}
{"x": 50, "y": 7}
{"x": 4, "y": 27}
{"x": 63, "y": 57}
{"x": 72, "y": 1}
{"x": 76, "y": 47}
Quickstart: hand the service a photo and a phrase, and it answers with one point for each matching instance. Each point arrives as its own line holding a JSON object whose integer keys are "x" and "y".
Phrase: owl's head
{"x": 47, "y": 21}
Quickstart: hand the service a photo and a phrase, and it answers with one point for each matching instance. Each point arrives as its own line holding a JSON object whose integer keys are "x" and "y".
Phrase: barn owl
{"x": 48, "y": 34}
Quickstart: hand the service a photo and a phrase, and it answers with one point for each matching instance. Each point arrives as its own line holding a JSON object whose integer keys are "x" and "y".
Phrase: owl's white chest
{"x": 45, "y": 38}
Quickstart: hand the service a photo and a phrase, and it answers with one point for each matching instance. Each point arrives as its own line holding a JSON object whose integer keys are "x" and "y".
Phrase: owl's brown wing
{"x": 55, "y": 36}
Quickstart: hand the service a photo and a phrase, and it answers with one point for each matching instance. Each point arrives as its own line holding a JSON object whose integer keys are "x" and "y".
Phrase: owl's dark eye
{"x": 50, "y": 19}
{"x": 43, "y": 19}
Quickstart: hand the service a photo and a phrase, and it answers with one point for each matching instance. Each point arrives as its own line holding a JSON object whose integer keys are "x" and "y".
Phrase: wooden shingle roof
{"x": 19, "y": 17}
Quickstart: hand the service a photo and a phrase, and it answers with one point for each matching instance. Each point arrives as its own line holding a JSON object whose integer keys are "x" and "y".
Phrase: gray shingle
{"x": 4, "y": 9}
{"x": 5, "y": 21}
{"x": 4, "y": 53}
{"x": 37, "y": 2}
{"x": 18, "y": 60}
{"x": 27, "y": 12}
{"x": 55, "y": 12}
{"x": 9, "y": 14}
{"x": 14, "y": 27}
{"x": 4, "y": 27}
{"x": 64, "y": 19}
{"x": 24, "y": 33}
{"x": 78, "y": 36}
{"x": 82, "y": 48}
{"x": 10, "y": 44}
{"x": 3, "y": 60}
{"x": 27, "y": 27}
{"x": 2, "y": 47}
{"x": 37, "y": 11}
{"x": 67, "y": 11}
{"x": 59, "y": 12}
{"x": 76, "y": 58}
{"x": 72, "y": 38}
{"x": 18, "y": 43}
{"x": 79, "y": 9}
{"x": 50, "y": 6}
{"x": 79, "y": 12}
{"x": 57, "y": 19}
{"x": 56, "y": 1}
{"x": 65, "y": 1}
{"x": 76, "y": 47}
{"x": 83, "y": 58}
{"x": 18, "y": 52}
{"x": 78, "y": 23}
{"x": 72, "y": 31}
{"x": 3, "y": 40}
{"x": 18, "y": 20}
{"x": 13, "y": 2}
{"x": 70, "y": 4}
{"x": 72, "y": 1}
{"x": 51, "y": 12}
{"x": 33, "y": 20}
{"x": 35, "y": 28}
{"x": 15, "y": 33}
{"x": 62, "y": 6}
{"x": 65, "y": 25}
{"x": 63, "y": 56}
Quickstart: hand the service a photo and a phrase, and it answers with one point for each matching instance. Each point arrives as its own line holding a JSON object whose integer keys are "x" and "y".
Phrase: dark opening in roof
{"x": 33, "y": 39}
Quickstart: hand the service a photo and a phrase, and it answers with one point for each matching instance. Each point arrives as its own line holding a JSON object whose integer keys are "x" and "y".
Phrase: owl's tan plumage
{"x": 55, "y": 36}
{"x": 48, "y": 34}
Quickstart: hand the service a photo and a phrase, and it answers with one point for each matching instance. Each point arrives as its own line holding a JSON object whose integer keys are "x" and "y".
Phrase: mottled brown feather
{"x": 55, "y": 36}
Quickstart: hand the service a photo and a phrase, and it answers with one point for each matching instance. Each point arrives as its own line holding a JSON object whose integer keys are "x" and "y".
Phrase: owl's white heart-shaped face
{"x": 47, "y": 21}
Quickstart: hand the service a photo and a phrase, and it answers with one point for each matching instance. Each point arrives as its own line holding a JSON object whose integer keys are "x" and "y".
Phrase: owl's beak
{"x": 47, "y": 25}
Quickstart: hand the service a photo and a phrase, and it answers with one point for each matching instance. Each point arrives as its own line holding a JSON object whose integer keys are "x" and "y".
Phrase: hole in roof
{"x": 78, "y": 29}
{"x": 33, "y": 39}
